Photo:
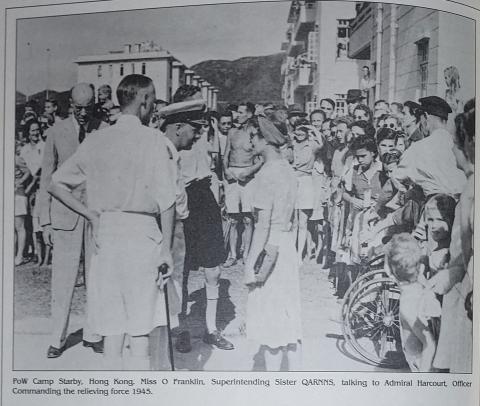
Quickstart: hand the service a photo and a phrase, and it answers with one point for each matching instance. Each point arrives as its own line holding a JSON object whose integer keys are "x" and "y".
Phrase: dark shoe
{"x": 217, "y": 340}
{"x": 96, "y": 346}
{"x": 54, "y": 352}
{"x": 183, "y": 342}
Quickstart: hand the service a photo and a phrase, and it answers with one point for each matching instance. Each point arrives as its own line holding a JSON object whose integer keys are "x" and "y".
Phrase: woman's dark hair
{"x": 28, "y": 125}
{"x": 366, "y": 126}
{"x": 367, "y": 143}
{"x": 465, "y": 124}
{"x": 366, "y": 109}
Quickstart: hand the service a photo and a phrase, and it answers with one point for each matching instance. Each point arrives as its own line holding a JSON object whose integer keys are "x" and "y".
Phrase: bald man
{"x": 60, "y": 224}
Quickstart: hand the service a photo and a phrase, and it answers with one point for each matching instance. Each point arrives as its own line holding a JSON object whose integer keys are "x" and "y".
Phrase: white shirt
{"x": 181, "y": 201}
{"x": 195, "y": 162}
{"x": 430, "y": 163}
{"x": 33, "y": 156}
{"x": 126, "y": 167}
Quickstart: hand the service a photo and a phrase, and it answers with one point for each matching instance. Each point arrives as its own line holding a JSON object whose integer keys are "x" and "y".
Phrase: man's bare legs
{"x": 247, "y": 233}
{"x": 246, "y": 219}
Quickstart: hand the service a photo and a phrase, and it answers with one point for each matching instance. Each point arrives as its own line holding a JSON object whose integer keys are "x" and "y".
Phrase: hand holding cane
{"x": 163, "y": 270}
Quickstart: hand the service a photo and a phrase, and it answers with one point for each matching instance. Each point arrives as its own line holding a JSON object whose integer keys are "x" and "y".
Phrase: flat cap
{"x": 192, "y": 111}
{"x": 436, "y": 106}
{"x": 296, "y": 110}
{"x": 354, "y": 95}
{"x": 412, "y": 105}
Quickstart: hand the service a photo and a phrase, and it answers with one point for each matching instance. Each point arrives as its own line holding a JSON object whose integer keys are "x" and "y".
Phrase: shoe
{"x": 54, "y": 352}
{"x": 229, "y": 262}
{"x": 217, "y": 340}
{"x": 183, "y": 342}
{"x": 20, "y": 261}
{"x": 97, "y": 346}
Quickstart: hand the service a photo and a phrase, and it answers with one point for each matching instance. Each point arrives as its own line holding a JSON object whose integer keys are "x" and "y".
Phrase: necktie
{"x": 81, "y": 134}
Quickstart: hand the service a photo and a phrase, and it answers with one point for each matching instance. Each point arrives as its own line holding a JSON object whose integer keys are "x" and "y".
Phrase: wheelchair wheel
{"x": 376, "y": 274}
{"x": 371, "y": 324}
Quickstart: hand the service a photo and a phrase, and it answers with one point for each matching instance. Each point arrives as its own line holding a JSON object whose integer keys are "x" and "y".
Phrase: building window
{"x": 99, "y": 71}
{"x": 422, "y": 51}
{"x": 312, "y": 46}
{"x": 133, "y": 68}
{"x": 144, "y": 68}
{"x": 341, "y": 104}
{"x": 343, "y": 38}
{"x": 110, "y": 70}
{"x": 121, "y": 69}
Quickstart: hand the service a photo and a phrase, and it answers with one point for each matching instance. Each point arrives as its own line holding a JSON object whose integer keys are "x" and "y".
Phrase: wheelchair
{"x": 370, "y": 316}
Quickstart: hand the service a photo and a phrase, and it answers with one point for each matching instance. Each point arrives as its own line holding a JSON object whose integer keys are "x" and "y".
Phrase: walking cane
{"x": 163, "y": 269}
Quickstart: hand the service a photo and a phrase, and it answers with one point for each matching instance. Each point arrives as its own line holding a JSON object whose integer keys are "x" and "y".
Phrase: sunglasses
{"x": 391, "y": 125}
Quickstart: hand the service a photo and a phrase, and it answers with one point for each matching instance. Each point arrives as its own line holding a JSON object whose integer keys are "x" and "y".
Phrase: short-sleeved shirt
{"x": 181, "y": 201}
{"x": 276, "y": 190}
{"x": 126, "y": 168}
{"x": 367, "y": 181}
{"x": 195, "y": 162}
{"x": 304, "y": 156}
{"x": 431, "y": 164}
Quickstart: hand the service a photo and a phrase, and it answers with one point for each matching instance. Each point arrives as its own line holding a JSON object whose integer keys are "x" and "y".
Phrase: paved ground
{"x": 324, "y": 347}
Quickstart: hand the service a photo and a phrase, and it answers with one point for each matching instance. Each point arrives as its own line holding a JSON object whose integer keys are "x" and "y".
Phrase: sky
{"x": 192, "y": 34}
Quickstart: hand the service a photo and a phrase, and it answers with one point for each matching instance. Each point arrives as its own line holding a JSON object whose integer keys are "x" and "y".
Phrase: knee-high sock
{"x": 211, "y": 311}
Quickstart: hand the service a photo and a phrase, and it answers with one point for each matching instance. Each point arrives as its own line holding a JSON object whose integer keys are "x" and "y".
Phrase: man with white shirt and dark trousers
{"x": 203, "y": 228}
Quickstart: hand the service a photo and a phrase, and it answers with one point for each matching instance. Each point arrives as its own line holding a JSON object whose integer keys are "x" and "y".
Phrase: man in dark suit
{"x": 60, "y": 224}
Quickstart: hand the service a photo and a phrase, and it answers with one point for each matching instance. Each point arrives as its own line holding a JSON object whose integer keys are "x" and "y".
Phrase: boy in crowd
{"x": 418, "y": 306}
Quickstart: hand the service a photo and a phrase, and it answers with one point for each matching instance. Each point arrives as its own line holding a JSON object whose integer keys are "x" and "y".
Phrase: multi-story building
{"x": 316, "y": 63}
{"x": 166, "y": 72}
{"x": 409, "y": 49}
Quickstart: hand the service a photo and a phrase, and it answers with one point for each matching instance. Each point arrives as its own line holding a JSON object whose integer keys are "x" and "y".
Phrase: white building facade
{"x": 166, "y": 72}
{"x": 410, "y": 48}
{"x": 316, "y": 63}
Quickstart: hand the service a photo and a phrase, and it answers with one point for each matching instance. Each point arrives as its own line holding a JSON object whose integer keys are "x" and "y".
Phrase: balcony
{"x": 295, "y": 48}
{"x": 303, "y": 76}
{"x": 361, "y": 33}
{"x": 305, "y": 21}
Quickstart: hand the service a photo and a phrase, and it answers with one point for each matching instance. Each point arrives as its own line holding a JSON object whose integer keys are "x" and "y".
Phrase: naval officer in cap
{"x": 203, "y": 233}
{"x": 430, "y": 163}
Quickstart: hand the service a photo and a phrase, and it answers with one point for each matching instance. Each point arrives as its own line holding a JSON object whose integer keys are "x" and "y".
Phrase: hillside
{"x": 255, "y": 79}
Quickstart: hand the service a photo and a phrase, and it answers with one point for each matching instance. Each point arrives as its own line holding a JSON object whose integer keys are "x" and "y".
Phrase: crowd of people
{"x": 263, "y": 185}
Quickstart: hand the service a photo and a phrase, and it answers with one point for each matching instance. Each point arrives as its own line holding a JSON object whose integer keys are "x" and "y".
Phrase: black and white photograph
{"x": 253, "y": 186}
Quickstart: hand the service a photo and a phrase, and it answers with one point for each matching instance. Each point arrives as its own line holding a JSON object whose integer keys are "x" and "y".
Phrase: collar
{"x": 129, "y": 119}
{"x": 375, "y": 167}
{"x": 76, "y": 125}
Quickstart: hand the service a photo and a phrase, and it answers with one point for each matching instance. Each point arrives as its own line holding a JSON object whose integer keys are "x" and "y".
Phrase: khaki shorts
{"x": 238, "y": 196}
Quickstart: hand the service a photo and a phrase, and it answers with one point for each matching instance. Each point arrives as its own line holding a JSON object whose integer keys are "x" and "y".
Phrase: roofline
{"x": 124, "y": 57}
